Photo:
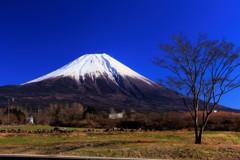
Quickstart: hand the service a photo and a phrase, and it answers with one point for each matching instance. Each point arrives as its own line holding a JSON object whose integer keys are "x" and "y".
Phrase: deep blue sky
{"x": 39, "y": 36}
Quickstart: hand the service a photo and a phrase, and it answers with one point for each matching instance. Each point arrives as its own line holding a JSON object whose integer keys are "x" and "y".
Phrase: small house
{"x": 30, "y": 120}
{"x": 116, "y": 115}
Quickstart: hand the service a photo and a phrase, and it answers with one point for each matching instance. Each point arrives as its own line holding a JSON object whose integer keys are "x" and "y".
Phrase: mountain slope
{"x": 98, "y": 80}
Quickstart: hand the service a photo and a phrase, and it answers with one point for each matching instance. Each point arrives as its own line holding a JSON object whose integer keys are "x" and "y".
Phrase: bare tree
{"x": 202, "y": 71}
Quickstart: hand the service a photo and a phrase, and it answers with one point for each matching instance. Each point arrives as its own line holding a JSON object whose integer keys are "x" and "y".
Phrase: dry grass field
{"x": 152, "y": 144}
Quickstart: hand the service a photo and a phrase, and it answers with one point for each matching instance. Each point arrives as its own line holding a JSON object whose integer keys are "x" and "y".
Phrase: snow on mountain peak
{"x": 93, "y": 65}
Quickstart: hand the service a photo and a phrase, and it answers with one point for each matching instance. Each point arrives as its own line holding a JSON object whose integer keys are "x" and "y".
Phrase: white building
{"x": 30, "y": 120}
{"x": 116, "y": 115}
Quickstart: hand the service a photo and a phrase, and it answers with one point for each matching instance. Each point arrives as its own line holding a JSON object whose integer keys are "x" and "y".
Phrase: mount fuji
{"x": 94, "y": 66}
{"x": 98, "y": 80}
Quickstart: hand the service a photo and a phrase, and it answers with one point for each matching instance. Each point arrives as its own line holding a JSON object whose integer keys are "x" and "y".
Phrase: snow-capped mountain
{"x": 94, "y": 66}
{"x": 97, "y": 80}
{"x": 94, "y": 79}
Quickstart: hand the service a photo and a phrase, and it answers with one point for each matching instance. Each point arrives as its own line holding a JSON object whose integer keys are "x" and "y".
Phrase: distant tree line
{"x": 78, "y": 115}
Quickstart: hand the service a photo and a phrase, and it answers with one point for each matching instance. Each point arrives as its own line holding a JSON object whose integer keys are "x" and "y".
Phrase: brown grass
{"x": 166, "y": 145}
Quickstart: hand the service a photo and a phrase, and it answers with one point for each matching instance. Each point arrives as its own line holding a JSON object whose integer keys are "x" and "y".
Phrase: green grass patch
{"x": 37, "y": 127}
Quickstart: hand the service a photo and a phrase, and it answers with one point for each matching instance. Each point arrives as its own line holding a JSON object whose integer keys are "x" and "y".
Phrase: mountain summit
{"x": 94, "y": 66}
{"x": 97, "y": 80}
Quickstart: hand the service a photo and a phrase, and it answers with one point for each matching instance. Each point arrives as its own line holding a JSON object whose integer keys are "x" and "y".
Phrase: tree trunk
{"x": 196, "y": 126}
{"x": 198, "y": 138}
{"x": 196, "y": 134}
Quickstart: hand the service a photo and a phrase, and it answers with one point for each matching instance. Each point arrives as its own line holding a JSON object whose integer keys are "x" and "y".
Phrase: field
{"x": 152, "y": 144}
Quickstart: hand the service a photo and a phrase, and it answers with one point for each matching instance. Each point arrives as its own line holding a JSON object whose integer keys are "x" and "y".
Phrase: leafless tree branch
{"x": 202, "y": 72}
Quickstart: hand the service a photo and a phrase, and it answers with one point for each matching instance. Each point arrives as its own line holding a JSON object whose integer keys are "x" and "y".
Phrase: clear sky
{"x": 39, "y": 36}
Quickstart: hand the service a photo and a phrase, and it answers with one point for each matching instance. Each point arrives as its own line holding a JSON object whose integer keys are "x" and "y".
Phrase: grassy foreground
{"x": 155, "y": 144}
